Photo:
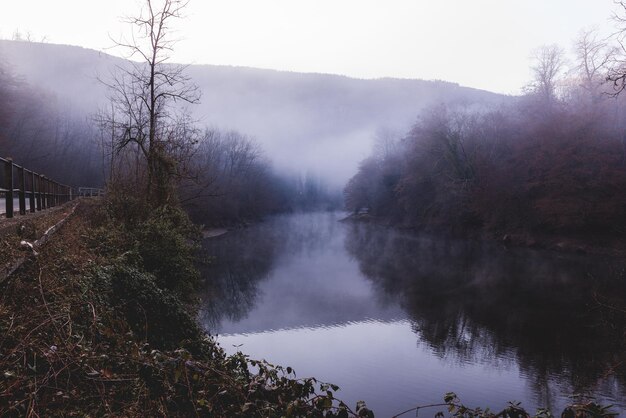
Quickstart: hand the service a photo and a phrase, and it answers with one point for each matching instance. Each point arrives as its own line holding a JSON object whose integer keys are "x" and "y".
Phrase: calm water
{"x": 398, "y": 320}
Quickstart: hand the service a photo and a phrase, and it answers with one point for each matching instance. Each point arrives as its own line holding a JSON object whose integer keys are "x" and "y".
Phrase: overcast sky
{"x": 478, "y": 43}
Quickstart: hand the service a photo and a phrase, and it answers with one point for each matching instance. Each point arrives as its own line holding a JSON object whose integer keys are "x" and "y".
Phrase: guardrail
{"x": 42, "y": 192}
{"x": 90, "y": 192}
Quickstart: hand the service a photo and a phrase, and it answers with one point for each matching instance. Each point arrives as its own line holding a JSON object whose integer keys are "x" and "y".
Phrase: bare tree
{"x": 148, "y": 99}
{"x": 548, "y": 65}
{"x": 593, "y": 55}
{"x": 617, "y": 71}
{"x": 386, "y": 143}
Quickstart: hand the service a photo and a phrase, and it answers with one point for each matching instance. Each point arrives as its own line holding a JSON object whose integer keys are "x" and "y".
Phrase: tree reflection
{"x": 232, "y": 276}
{"x": 477, "y": 302}
{"x": 241, "y": 260}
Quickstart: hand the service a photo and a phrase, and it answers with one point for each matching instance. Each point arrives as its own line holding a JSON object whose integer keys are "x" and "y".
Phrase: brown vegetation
{"x": 27, "y": 229}
{"x": 552, "y": 164}
{"x": 84, "y": 330}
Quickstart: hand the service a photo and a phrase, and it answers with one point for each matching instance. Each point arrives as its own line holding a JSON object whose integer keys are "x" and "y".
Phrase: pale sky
{"x": 485, "y": 44}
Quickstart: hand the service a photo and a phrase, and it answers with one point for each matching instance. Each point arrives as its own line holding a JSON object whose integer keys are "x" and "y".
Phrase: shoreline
{"x": 570, "y": 244}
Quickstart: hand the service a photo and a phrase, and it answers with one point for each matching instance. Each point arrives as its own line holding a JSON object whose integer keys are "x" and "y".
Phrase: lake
{"x": 398, "y": 319}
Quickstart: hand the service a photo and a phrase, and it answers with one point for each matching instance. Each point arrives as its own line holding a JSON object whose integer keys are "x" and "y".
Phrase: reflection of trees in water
{"x": 241, "y": 260}
{"x": 477, "y": 302}
{"x": 238, "y": 263}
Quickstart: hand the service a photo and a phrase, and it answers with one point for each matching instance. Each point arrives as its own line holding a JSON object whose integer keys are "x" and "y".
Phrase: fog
{"x": 305, "y": 123}
{"x": 434, "y": 183}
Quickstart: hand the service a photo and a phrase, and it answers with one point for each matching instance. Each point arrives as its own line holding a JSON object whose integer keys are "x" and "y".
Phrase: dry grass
{"x": 66, "y": 349}
{"x": 45, "y": 320}
{"x": 29, "y": 228}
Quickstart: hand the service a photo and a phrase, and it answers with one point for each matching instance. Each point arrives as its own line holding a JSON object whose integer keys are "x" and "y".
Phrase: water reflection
{"x": 235, "y": 270}
{"x": 313, "y": 282}
{"x": 342, "y": 301}
{"x": 477, "y": 302}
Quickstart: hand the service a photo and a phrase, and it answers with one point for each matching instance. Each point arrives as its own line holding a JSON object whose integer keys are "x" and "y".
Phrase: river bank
{"x": 515, "y": 238}
{"x": 100, "y": 323}
{"x": 86, "y": 330}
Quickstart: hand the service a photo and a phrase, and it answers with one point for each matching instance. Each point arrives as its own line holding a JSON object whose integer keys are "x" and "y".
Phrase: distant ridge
{"x": 320, "y": 123}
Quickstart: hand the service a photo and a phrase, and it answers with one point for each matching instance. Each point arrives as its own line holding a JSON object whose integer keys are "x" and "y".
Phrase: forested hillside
{"x": 321, "y": 124}
{"x": 551, "y": 162}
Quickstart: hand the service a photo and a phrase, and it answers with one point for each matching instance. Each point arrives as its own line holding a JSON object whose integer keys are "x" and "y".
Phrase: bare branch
{"x": 145, "y": 99}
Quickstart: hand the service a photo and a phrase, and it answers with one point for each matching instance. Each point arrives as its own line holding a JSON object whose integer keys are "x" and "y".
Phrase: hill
{"x": 305, "y": 122}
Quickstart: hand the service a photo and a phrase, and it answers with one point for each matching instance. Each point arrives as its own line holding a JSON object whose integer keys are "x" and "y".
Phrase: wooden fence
{"x": 18, "y": 183}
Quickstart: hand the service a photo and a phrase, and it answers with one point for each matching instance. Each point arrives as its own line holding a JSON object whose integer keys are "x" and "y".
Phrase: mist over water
{"x": 398, "y": 320}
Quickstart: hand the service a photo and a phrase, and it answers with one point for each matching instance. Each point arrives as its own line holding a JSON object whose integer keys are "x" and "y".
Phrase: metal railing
{"x": 90, "y": 192}
{"x": 42, "y": 192}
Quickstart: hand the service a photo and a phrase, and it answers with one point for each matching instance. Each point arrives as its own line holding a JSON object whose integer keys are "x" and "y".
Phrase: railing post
{"x": 38, "y": 183}
{"x": 3, "y": 163}
{"x": 22, "y": 185}
{"x": 47, "y": 181}
{"x": 43, "y": 192}
{"x": 31, "y": 196}
{"x": 9, "y": 186}
{"x": 48, "y": 193}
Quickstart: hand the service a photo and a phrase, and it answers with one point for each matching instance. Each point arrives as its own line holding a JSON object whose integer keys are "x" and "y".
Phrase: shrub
{"x": 167, "y": 242}
{"x": 155, "y": 315}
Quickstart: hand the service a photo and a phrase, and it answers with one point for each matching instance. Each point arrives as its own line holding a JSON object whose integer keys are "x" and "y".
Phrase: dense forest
{"x": 551, "y": 162}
